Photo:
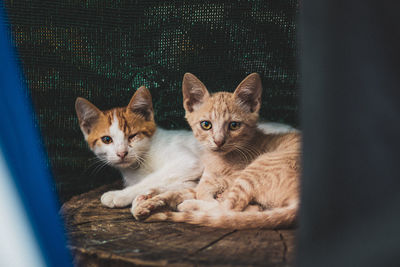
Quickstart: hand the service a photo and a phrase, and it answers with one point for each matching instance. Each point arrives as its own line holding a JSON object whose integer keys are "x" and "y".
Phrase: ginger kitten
{"x": 151, "y": 160}
{"x": 251, "y": 178}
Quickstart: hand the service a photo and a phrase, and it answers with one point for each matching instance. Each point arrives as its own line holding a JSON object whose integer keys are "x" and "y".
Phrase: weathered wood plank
{"x": 289, "y": 241}
{"x": 99, "y": 236}
{"x": 244, "y": 248}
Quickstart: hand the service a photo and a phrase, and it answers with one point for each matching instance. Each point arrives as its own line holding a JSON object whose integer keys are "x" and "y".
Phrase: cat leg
{"x": 239, "y": 195}
{"x": 169, "y": 199}
{"x": 151, "y": 193}
{"x": 155, "y": 191}
{"x": 209, "y": 187}
{"x": 126, "y": 196}
{"x": 120, "y": 198}
{"x": 140, "y": 198}
{"x": 208, "y": 195}
{"x": 171, "y": 178}
{"x": 201, "y": 205}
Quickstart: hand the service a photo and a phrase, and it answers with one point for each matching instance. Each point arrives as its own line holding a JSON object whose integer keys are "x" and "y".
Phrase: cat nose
{"x": 122, "y": 154}
{"x": 219, "y": 142}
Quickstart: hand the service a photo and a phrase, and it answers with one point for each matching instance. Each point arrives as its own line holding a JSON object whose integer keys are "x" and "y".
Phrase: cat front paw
{"x": 115, "y": 199}
{"x": 145, "y": 208}
{"x": 139, "y": 199}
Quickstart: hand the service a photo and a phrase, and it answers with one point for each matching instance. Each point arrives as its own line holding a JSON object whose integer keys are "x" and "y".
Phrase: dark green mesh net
{"x": 103, "y": 50}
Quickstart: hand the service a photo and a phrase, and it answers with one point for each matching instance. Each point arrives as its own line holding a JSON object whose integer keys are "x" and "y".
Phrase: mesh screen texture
{"x": 104, "y": 50}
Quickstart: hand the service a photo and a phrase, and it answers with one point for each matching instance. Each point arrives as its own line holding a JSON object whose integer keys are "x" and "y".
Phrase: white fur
{"x": 118, "y": 136}
{"x": 276, "y": 127}
{"x": 171, "y": 162}
{"x": 108, "y": 152}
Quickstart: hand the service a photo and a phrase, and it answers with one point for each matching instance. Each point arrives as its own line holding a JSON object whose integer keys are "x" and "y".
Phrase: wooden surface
{"x": 99, "y": 236}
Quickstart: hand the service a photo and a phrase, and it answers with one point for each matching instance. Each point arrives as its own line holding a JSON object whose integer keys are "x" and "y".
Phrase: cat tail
{"x": 275, "y": 218}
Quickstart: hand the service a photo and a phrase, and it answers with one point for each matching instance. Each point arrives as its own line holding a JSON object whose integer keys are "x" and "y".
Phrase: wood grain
{"x": 99, "y": 236}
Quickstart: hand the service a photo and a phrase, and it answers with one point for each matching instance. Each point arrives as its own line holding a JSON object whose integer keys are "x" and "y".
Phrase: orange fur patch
{"x": 130, "y": 123}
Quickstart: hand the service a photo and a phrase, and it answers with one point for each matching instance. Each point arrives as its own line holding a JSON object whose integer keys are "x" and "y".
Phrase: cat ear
{"x": 87, "y": 113}
{"x": 194, "y": 92}
{"x": 248, "y": 93}
{"x": 141, "y": 103}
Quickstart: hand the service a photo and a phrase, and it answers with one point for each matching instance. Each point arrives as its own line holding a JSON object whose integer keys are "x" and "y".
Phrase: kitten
{"x": 151, "y": 160}
{"x": 253, "y": 175}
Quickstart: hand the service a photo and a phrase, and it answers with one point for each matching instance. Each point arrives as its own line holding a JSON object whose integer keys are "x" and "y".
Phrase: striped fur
{"x": 245, "y": 168}
{"x": 276, "y": 218}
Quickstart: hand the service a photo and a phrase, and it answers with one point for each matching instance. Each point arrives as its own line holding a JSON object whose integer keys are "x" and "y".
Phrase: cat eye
{"x": 132, "y": 136}
{"x": 234, "y": 125}
{"x": 106, "y": 139}
{"x": 206, "y": 125}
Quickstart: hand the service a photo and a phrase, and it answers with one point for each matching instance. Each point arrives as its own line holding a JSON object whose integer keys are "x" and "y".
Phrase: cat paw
{"x": 143, "y": 209}
{"x": 139, "y": 199}
{"x": 115, "y": 199}
{"x": 144, "y": 197}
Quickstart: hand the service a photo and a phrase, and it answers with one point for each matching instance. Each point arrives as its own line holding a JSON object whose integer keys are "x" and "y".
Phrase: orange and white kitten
{"x": 250, "y": 180}
{"x": 151, "y": 160}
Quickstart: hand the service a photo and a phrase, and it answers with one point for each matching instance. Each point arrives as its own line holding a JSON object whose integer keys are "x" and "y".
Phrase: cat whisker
{"x": 140, "y": 159}
{"x": 93, "y": 163}
{"x": 248, "y": 154}
{"x": 93, "y": 159}
{"x": 253, "y": 152}
{"x": 101, "y": 164}
{"x": 243, "y": 154}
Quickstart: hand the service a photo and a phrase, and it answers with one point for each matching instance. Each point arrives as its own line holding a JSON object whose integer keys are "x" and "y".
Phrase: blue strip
{"x": 20, "y": 143}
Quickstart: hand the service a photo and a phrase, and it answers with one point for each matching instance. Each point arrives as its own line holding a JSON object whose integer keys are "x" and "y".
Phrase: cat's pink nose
{"x": 219, "y": 142}
{"x": 122, "y": 154}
